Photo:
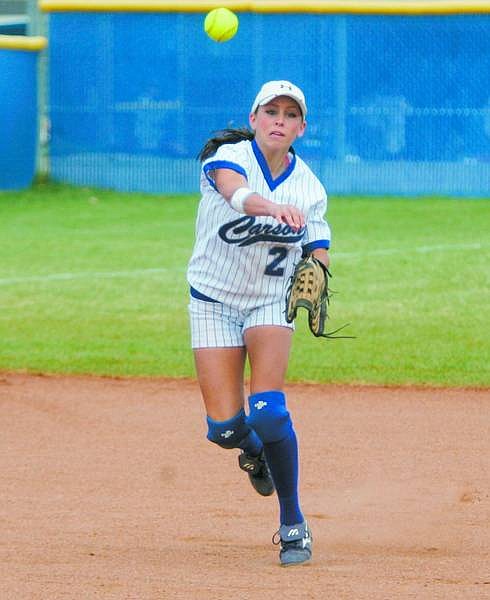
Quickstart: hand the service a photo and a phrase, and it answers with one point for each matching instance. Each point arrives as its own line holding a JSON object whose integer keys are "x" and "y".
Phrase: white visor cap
{"x": 273, "y": 89}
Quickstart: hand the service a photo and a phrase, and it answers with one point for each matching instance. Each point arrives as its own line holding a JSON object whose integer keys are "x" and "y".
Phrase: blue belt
{"x": 199, "y": 296}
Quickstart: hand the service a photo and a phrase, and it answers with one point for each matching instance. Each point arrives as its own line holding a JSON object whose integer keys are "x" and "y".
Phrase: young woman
{"x": 261, "y": 208}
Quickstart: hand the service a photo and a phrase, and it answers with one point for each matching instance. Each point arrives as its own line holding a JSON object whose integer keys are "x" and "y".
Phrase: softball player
{"x": 261, "y": 208}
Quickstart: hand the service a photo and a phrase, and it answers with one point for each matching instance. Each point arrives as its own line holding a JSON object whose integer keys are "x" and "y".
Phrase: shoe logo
{"x": 292, "y": 532}
{"x": 260, "y": 405}
{"x": 227, "y": 434}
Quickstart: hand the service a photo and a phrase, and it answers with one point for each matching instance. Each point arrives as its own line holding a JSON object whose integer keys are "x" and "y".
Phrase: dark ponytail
{"x": 226, "y": 136}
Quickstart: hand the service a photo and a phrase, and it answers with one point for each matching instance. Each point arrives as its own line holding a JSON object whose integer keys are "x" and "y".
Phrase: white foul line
{"x": 83, "y": 275}
{"x": 419, "y": 249}
{"x": 156, "y": 271}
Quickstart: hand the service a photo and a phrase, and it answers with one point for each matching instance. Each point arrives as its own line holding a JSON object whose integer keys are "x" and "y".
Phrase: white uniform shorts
{"x": 215, "y": 325}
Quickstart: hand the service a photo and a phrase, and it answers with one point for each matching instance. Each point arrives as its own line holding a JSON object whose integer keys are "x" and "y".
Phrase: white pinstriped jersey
{"x": 245, "y": 261}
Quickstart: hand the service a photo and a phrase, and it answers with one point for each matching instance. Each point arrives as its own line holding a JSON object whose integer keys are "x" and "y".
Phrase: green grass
{"x": 93, "y": 281}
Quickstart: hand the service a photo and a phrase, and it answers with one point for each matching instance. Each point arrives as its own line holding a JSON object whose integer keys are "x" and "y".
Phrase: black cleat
{"x": 295, "y": 543}
{"x": 258, "y": 472}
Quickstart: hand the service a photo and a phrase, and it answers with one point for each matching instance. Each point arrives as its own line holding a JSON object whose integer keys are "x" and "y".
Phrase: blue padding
{"x": 18, "y": 118}
{"x": 228, "y": 434}
{"x": 269, "y": 416}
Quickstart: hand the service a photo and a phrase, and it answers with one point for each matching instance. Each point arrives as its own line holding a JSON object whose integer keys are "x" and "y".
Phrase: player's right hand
{"x": 289, "y": 215}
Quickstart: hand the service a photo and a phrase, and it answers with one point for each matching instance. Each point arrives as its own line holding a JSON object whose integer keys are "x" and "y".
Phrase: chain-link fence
{"x": 398, "y": 104}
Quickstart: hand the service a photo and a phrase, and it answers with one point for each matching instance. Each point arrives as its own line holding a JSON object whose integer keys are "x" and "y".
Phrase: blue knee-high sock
{"x": 251, "y": 444}
{"x": 282, "y": 458}
{"x": 272, "y": 422}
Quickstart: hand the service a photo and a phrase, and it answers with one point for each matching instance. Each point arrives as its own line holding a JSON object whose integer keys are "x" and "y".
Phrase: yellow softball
{"x": 221, "y": 24}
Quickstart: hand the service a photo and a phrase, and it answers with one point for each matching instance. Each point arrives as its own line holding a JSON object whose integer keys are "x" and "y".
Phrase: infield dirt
{"x": 110, "y": 490}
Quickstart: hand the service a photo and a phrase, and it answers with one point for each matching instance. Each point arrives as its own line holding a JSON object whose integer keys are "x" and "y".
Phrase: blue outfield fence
{"x": 397, "y": 104}
{"x": 18, "y": 109}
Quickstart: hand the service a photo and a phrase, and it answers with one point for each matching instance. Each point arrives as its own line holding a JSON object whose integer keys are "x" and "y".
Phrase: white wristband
{"x": 237, "y": 201}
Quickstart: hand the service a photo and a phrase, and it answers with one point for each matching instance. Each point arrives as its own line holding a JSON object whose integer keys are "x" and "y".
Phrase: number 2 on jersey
{"x": 273, "y": 268}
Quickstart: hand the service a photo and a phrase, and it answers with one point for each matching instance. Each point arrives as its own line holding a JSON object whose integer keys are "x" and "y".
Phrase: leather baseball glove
{"x": 309, "y": 289}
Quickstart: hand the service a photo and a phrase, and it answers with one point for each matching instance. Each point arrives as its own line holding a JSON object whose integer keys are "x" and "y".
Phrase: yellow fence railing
{"x": 403, "y": 7}
{"x": 20, "y": 42}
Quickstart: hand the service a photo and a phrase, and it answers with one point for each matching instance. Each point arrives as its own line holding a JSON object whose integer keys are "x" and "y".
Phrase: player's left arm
{"x": 318, "y": 235}
{"x": 322, "y": 255}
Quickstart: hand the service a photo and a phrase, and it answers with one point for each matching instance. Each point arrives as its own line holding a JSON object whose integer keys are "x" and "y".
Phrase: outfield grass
{"x": 93, "y": 281}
